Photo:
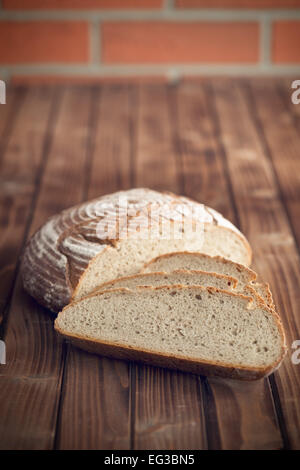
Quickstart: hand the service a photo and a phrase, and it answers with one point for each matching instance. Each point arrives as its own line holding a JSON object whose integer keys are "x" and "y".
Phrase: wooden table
{"x": 232, "y": 144}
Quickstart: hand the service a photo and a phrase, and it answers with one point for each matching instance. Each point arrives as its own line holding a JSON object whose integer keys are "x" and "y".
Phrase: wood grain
{"x": 202, "y": 166}
{"x": 263, "y": 218}
{"x": 94, "y": 411}
{"x": 113, "y": 141}
{"x": 281, "y": 147}
{"x": 96, "y": 392}
{"x": 156, "y": 164}
{"x": 206, "y": 178}
{"x": 175, "y": 418}
{"x": 169, "y": 410}
{"x": 9, "y": 112}
{"x": 33, "y": 373}
{"x": 20, "y": 163}
{"x": 280, "y": 139}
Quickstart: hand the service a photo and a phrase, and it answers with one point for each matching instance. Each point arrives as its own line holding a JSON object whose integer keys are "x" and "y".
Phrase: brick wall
{"x": 46, "y": 40}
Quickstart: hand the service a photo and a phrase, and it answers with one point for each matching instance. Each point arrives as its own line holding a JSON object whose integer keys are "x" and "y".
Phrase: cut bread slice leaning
{"x": 189, "y": 278}
{"x": 217, "y": 264}
{"x": 202, "y": 330}
{"x": 179, "y": 276}
{"x": 194, "y": 260}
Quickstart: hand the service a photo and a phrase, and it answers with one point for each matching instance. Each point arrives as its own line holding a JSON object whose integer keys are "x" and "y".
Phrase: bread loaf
{"x": 202, "y": 330}
{"x": 115, "y": 236}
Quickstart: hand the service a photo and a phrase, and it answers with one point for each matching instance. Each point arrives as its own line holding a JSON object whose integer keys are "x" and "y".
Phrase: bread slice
{"x": 202, "y": 330}
{"x": 217, "y": 264}
{"x": 189, "y": 278}
{"x": 200, "y": 261}
{"x": 180, "y": 276}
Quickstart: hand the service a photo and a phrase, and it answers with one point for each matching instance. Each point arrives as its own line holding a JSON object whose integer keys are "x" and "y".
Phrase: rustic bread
{"x": 180, "y": 276}
{"x": 115, "y": 236}
{"x": 197, "y": 329}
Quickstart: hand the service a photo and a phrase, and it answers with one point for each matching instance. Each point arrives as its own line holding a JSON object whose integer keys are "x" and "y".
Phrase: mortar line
{"x": 265, "y": 41}
{"x": 169, "y": 14}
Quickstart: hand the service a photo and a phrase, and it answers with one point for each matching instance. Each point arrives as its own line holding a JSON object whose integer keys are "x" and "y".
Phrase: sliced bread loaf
{"x": 180, "y": 276}
{"x": 202, "y": 330}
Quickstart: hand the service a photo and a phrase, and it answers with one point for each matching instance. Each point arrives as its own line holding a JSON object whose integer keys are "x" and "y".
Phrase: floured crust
{"x": 177, "y": 361}
{"x": 57, "y": 256}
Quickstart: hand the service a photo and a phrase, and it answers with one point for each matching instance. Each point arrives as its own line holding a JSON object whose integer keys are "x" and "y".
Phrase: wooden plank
{"x": 95, "y": 408}
{"x": 8, "y": 113}
{"x": 94, "y": 411}
{"x": 169, "y": 410}
{"x": 20, "y": 164}
{"x": 265, "y": 222}
{"x": 204, "y": 172}
{"x": 280, "y": 141}
{"x": 111, "y": 166}
{"x": 63, "y": 179}
{"x": 231, "y": 422}
{"x": 156, "y": 164}
{"x": 282, "y": 147}
{"x": 168, "y": 405}
{"x": 31, "y": 379}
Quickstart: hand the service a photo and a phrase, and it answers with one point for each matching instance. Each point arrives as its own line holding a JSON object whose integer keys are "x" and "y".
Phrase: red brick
{"x": 237, "y": 4}
{"x": 161, "y": 42}
{"x": 79, "y": 4}
{"x": 286, "y": 42}
{"x": 44, "y": 41}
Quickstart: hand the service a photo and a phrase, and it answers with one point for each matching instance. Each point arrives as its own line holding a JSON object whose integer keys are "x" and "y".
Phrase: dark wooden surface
{"x": 232, "y": 144}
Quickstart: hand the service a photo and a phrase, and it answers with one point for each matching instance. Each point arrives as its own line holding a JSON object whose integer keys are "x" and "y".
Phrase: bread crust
{"x": 118, "y": 350}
